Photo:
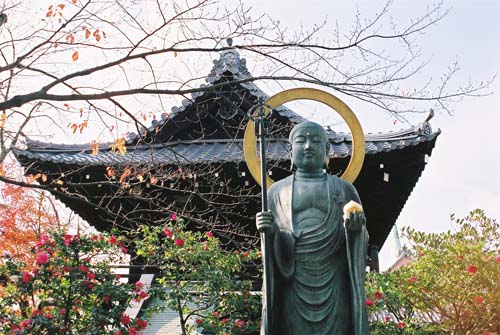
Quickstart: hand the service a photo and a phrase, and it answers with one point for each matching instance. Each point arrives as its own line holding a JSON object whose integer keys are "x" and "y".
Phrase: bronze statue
{"x": 318, "y": 258}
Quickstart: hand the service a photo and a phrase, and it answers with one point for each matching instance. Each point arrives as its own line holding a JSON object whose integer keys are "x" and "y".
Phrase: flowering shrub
{"x": 201, "y": 279}
{"x": 452, "y": 284}
{"x": 69, "y": 289}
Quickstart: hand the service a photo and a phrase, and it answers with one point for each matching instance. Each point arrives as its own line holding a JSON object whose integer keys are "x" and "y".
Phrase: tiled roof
{"x": 229, "y": 61}
{"x": 216, "y": 151}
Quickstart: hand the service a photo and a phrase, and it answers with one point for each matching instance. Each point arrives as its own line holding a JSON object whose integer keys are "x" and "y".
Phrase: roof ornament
{"x": 229, "y": 61}
{"x": 424, "y": 128}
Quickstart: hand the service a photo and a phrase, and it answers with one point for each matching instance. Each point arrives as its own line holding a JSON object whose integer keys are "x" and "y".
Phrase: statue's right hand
{"x": 264, "y": 222}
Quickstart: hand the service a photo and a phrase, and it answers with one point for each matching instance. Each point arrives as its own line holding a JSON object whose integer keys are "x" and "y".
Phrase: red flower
{"x": 123, "y": 249}
{"x": 216, "y": 314}
{"x": 83, "y": 268}
{"x": 168, "y": 232}
{"x": 225, "y": 320}
{"x": 173, "y": 217}
{"x": 141, "y": 324}
{"x": 401, "y": 325}
{"x": 132, "y": 331}
{"x": 90, "y": 275}
{"x": 378, "y": 295}
{"x": 206, "y": 248}
{"x": 107, "y": 298}
{"x": 62, "y": 311}
{"x": 112, "y": 240}
{"x": 369, "y": 302}
{"x": 245, "y": 254}
{"x": 412, "y": 279}
{"x": 36, "y": 313}
{"x": 25, "y": 323}
{"x": 472, "y": 269}
{"x": 179, "y": 242}
{"x": 27, "y": 277}
{"x": 143, "y": 295}
{"x": 387, "y": 318}
{"x": 42, "y": 258}
{"x": 198, "y": 321}
{"x": 478, "y": 299}
{"x": 118, "y": 332}
{"x": 210, "y": 234}
{"x": 125, "y": 319}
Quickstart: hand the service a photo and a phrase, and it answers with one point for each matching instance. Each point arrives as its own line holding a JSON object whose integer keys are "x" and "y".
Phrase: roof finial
{"x": 229, "y": 41}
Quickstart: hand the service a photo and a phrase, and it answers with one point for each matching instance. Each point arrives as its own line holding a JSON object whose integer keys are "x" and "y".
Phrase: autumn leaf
{"x": 70, "y": 38}
{"x": 59, "y": 182}
{"x": 74, "y": 127}
{"x": 44, "y": 177}
{"x": 3, "y": 119}
{"x": 87, "y": 33}
{"x": 75, "y": 56}
{"x": 127, "y": 172}
{"x": 61, "y": 6}
{"x": 2, "y": 171}
{"x": 95, "y": 147}
{"x": 73, "y": 1}
{"x": 140, "y": 178}
{"x": 110, "y": 171}
{"x": 119, "y": 146}
{"x": 175, "y": 53}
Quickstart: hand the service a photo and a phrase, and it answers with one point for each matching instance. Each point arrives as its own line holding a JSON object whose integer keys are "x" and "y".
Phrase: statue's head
{"x": 309, "y": 146}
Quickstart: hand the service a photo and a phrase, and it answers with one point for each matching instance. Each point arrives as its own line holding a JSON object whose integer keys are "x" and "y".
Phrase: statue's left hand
{"x": 355, "y": 221}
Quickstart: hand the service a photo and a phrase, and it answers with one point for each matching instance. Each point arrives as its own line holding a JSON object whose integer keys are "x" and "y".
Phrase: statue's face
{"x": 309, "y": 148}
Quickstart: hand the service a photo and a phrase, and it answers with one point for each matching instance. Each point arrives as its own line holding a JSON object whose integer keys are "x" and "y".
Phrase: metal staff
{"x": 264, "y": 239}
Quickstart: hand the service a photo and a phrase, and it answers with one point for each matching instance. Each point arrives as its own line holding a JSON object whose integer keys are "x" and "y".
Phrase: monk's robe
{"x": 317, "y": 273}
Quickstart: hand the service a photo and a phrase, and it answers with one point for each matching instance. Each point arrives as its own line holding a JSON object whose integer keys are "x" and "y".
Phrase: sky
{"x": 463, "y": 172}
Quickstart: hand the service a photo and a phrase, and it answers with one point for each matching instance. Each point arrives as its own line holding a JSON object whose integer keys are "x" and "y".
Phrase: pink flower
{"x": 118, "y": 332}
{"x": 216, "y": 314}
{"x": 472, "y": 269}
{"x": 497, "y": 259}
{"x": 143, "y": 295}
{"x": 68, "y": 239}
{"x": 36, "y": 313}
{"x": 27, "y": 277}
{"x": 123, "y": 249}
{"x": 179, "y": 242}
{"x": 225, "y": 320}
{"x": 83, "y": 268}
{"x": 42, "y": 258}
{"x": 387, "y": 318}
{"x": 412, "y": 279}
{"x": 378, "y": 295}
{"x": 478, "y": 299}
{"x": 239, "y": 323}
{"x": 90, "y": 275}
{"x": 168, "y": 232}
{"x": 173, "y": 217}
{"x": 210, "y": 234}
{"x": 25, "y": 323}
{"x": 369, "y": 302}
{"x": 401, "y": 325}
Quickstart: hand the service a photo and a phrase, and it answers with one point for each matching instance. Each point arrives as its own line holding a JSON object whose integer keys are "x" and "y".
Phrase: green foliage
{"x": 201, "y": 279}
{"x": 69, "y": 290}
{"x": 452, "y": 284}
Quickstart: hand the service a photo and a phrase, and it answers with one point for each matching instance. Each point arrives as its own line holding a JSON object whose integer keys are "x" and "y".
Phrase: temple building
{"x": 190, "y": 161}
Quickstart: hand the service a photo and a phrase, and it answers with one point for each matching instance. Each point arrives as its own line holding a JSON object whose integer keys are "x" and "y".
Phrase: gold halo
{"x": 358, "y": 137}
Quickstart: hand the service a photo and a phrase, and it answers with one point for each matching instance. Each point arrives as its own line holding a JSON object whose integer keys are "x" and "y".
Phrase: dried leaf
{"x": 87, "y": 33}
{"x": 75, "y": 56}
{"x": 119, "y": 146}
{"x": 95, "y": 147}
{"x": 70, "y": 38}
{"x": 61, "y": 6}
{"x": 44, "y": 177}
{"x": 73, "y": 1}
{"x": 3, "y": 119}
{"x": 110, "y": 171}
